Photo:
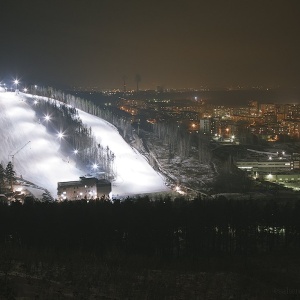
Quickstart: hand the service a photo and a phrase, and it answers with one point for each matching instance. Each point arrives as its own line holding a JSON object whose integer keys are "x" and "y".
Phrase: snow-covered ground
{"x": 42, "y": 163}
{"x": 134, "y": 174}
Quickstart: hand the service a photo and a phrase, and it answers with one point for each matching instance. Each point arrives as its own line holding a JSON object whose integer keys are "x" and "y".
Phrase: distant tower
{"x": 138, "y": 80}
{"x": 124, "y": 83}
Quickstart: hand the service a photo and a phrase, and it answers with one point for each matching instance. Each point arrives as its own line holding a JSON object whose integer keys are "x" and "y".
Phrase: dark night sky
{"x": 176, "y": 44}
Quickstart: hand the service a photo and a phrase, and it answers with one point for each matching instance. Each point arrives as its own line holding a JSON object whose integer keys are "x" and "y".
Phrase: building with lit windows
{"x": 86, "y": 188}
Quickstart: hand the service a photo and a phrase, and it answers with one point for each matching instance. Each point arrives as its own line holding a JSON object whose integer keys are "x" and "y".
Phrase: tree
{"x": 2, "y": 178}
{"x": 10, "y": 174}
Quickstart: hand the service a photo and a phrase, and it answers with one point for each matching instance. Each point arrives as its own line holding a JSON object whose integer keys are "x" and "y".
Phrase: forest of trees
{"x": 162, "y": 228}
{"x": 180, "y": 142}
{"x": 122, "y": 122}
{"x": 7, "y": 177}
{"x": 176, "y": 138}
{"x": 76, "y": 136}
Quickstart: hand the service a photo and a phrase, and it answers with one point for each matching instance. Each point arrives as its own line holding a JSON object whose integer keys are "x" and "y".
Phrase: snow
{"x": 42, "y": 163}
{"x": 134, "y": 174}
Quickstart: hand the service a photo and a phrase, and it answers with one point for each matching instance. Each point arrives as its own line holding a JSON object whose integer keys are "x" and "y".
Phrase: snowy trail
{"x": 42, "y": 163}
{"x": 134, "y": 174}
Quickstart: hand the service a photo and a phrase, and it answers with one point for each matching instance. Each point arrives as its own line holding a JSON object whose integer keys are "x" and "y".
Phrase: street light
{"x": 16, "y": 82}
{"x": 75, "y": 151}
{"x": 47, "y": 118}
{"x": 60, "y": 135}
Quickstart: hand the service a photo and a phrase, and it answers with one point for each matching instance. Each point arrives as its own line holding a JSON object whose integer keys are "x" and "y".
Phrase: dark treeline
{"x": 117, "y": 118}
{"x": 161, "y": 228}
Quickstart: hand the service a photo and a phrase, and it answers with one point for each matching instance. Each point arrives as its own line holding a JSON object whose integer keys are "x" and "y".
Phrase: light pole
{"x": 16, "y": 82}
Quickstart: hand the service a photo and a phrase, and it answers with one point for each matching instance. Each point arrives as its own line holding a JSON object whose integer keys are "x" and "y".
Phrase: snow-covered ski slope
{"x": 42, "y": 163}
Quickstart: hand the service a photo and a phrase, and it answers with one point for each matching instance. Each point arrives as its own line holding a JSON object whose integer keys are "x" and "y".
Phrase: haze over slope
{"x": 42, "y": 163}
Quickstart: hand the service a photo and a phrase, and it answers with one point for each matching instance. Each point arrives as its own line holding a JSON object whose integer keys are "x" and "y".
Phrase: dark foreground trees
{"x": 160, "y": 228}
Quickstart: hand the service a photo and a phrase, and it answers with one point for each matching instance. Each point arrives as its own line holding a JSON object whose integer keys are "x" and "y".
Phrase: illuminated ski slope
{"x": 42, "y": 163}
{"x": 134, "y": 174}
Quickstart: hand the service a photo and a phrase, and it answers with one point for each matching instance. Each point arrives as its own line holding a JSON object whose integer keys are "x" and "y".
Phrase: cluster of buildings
{"x": 269, "y": 121}
{"x": 272, "y": 166}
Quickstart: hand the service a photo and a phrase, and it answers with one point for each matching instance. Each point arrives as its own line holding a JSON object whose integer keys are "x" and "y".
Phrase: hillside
{"x": 42, "y": 162}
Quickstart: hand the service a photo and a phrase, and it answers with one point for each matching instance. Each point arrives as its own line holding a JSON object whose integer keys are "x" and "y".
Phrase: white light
{"x": 25, "y": 90}
{"x": 177, "y": 188}
{"x": 95, "y": 166}
{"x": 35, "y": 102}
{"x": 283, "y": 153}
{"x": 60, "y": 135}
{"x": 270, "y": 157}
{"x": 75, "y": 151}
{"x": 16, "y": 81}
{"x": 47, "y": 118}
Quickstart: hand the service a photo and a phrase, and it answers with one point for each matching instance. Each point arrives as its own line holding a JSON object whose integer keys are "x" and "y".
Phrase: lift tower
{"x": 13, "y": 155}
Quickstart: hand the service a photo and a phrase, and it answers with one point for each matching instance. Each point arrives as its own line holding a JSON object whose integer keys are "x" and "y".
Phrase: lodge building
{"x": 86, "y": 188}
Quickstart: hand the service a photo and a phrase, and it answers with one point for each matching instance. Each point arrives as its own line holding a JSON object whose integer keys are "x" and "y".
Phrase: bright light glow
{"x": 270, "y": 157}
{"x": 177, "y": 188}
{"x": 25, "y": 90}
{"x": 60, "y": 135}
{"x": 233, "y": 137}
{"x": 270, "y": 176}
{"x": 75, "y": 151}
{"x": 35, "y": 102}
{"x": 95, "y": 166}
{"x": 16, "y": 81}
{"x": 283, "y": 153}
{"x": 47, "y": 118}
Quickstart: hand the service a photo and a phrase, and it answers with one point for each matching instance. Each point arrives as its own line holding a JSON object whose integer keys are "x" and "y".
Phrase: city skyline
{"x": 173, "y": 44}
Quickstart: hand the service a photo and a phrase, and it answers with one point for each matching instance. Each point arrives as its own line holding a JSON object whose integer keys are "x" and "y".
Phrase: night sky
{"x": 175, "y": 44}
